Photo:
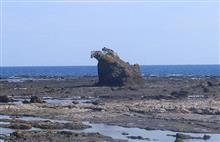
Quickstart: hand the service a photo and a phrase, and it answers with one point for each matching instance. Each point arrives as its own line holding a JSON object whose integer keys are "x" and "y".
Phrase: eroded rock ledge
{"x": 113, "y": 71}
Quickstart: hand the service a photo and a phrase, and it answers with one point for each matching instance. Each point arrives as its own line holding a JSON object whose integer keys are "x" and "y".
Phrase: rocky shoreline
{"x": 175, "y": 103}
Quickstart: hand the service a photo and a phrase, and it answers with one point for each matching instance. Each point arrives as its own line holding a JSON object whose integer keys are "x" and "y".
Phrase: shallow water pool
{"x": 154, "y": 135}
{"x": 116, "y": 132}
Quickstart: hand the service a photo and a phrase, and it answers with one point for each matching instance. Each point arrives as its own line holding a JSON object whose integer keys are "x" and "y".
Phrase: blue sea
{"x": 147, "y": 70}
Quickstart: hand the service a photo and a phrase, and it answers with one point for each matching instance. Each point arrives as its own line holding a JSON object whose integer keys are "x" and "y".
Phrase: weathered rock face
{"x": 113, "y": 71}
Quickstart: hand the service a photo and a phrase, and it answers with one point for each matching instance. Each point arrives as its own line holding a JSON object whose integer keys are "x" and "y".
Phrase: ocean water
{"x": 148, "y": 70}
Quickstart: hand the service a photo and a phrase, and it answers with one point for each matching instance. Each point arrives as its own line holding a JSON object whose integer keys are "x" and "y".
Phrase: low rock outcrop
{"x": 5, "y": 99}
{"x": 36, "y": 99}
{"x": 113, "y": 71}
{"x": 20, "y": 125}
{"x": 181, "y": 137}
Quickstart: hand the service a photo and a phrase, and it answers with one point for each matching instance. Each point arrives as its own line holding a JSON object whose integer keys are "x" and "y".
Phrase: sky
{"x": 154, "y": 33}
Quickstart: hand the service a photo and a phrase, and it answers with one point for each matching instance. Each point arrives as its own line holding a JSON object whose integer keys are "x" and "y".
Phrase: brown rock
{"x": 35, "y": 99}
{"x": 19, "y": 125}
{"x": 113, "y": 71}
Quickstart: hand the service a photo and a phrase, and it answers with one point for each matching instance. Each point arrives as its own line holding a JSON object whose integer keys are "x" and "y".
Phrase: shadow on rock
{"x": 113, "y": 71}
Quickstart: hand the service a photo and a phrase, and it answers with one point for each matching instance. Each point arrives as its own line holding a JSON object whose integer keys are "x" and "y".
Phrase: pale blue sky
{"x": 41, "y": 34}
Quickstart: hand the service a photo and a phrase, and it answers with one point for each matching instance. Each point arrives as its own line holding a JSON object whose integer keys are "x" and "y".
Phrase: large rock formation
{"x": 113, "y": 71}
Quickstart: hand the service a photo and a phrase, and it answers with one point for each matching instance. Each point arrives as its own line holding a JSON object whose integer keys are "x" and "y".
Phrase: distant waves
{"x": 154, "y": 70}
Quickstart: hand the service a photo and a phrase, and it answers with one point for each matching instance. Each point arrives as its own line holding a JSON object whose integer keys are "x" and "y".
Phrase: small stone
{"x": 17, "y": 134}
{"x": 25, "y": 102}
{"x": 97, "y": 109}
{"x": 183, "y": 136}
{"x": 209, "y": 83}
{"x": 75, "y": 102}
{"x": 67, "y": 133}
{"x": 179, "y": 94}
{"x": 36, "y": 99}
{"x": 206, "y": 137}
{"x": 95, "y": 102}
{"x": 124, "y": 133}
{"x": 205, "y": 90}
{"x": 138, "y": 138}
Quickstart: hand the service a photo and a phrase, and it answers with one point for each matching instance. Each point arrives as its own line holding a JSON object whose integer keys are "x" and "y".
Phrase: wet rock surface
{"x": 113, "y": 71}
{"x": 36, "y": 99}
{"x": 179, "y": 94}
{"x": 137, "y": 138}
{"x": 5, "y": 99}
{"x": 150, "y": 107}
{"x": 18, "y": 123}
{"x": 181, "y": 137}
{"x": 52, "y": 136}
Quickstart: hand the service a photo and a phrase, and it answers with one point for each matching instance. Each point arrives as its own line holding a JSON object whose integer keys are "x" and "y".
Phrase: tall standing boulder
{"x": 113, "y": 71}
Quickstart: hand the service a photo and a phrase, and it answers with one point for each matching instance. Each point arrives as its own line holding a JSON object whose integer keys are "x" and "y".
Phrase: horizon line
{"x": 96, "y": 65}
{"x": 109, "y": 1}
